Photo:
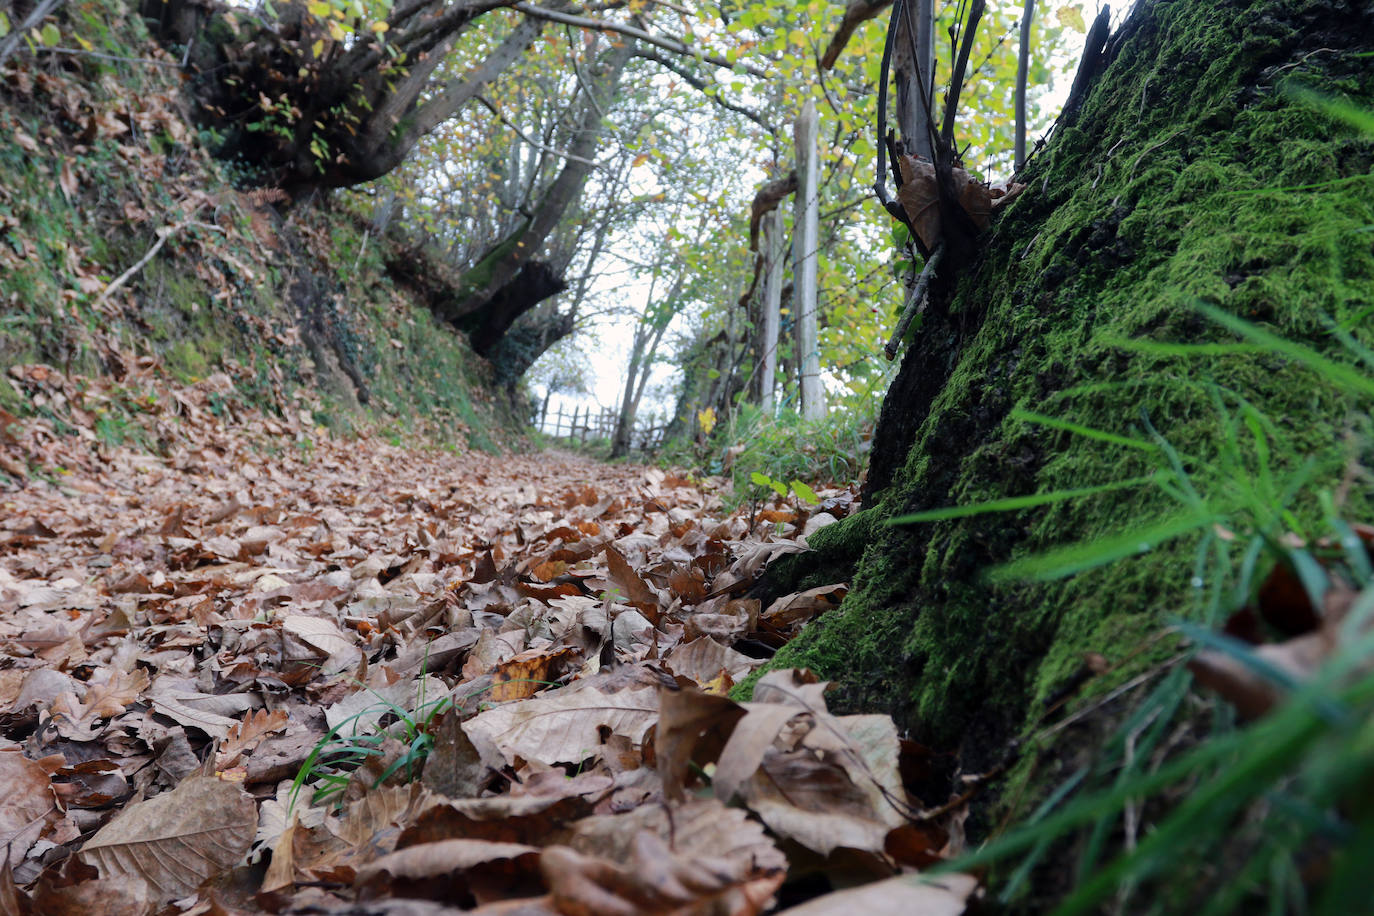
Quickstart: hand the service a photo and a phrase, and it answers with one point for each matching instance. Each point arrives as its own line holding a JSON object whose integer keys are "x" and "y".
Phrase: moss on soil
{"x": 219, "y": 294}
{"x": 1193, "y": 173}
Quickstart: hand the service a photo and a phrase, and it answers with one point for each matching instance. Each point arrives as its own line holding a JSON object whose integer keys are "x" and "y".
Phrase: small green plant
{"x": 345, "y": 747}
{"x": 798, "y": 489}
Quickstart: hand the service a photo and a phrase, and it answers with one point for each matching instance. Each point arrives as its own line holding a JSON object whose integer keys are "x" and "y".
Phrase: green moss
{"x": 1191, "y": 175}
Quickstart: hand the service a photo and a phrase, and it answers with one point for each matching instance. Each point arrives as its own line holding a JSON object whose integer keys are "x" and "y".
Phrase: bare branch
{"x": 855, "y": 14}
{"x": 956, "y": 79}
{"x": 667, "y": 44}
{"x": 561, "y": 154}
{"x": 700, "y": 85}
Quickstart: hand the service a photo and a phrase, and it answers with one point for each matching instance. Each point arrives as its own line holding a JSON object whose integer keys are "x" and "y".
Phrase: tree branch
{"x": 561, "y": 154}
{"x": 667, "y": 44}
{"x": 700, "y": 85}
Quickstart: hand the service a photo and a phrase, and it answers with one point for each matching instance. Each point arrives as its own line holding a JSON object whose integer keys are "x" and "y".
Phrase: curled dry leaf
{"x": 1252, "y": 693}
{"x": 656, "y": 880}
{"x": 177, "y": 840}
{"x": 920, "y": 198}
{"x": 686, "y": 717}
{"x": 443, "y": 870}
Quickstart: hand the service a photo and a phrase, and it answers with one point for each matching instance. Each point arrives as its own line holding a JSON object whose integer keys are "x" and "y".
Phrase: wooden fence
{"x": 585, "y": 423}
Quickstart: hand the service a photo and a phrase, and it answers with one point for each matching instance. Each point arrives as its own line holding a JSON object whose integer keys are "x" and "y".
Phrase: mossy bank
{"x": 1204, "y": 167}
{"x": 121, "y": 237}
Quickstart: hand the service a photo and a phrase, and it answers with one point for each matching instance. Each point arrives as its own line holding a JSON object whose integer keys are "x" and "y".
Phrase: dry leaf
{"x": 654, "y": 881}
{"x": 564, "y": 725}
{"x": 27, "y": 805}
{"x": 686, "y": 716}
{"x": 908, "y": 895}
{"x": 179, "y": 839}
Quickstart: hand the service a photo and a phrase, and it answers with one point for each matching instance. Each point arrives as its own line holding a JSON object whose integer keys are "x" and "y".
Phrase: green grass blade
{"x": 1013, "y": 503}
{"x": 1075, "y": 558}
{"x": 1088, "y": 432}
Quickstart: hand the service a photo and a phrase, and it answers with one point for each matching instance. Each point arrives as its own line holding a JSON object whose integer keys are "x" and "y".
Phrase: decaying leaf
{"x": 28, "y": 804}
{"x": 719, "y": 861}
{"x": 564, "y": 725}
{"x": 179, "y": 839}
{"x": 920, "y": 198}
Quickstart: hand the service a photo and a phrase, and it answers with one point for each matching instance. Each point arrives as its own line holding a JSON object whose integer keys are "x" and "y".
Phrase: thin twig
{"x": 552, "y": 151}
{"x": 163, "y": 235}
{"x": 667, "y": 44}
{"x": 80, "y": 52}
{"x": 915, "y": 303}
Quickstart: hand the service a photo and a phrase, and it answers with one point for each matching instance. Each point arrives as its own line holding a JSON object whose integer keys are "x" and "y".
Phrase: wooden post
{"x": 773, "y": 232}
{"x": 558, "y": 424}
{"x": 805, "y": 240}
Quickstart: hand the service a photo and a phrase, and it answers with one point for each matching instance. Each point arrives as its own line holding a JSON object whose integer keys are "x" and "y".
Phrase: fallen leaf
{"x": 907, "y": 895}
{"x": 179, "y": 839}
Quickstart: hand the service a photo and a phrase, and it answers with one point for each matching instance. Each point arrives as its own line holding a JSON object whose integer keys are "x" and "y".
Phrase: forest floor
{"x": 253, "y": 666}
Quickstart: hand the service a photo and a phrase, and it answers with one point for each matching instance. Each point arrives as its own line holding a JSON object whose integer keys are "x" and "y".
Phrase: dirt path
{"x": 381, "y": 673}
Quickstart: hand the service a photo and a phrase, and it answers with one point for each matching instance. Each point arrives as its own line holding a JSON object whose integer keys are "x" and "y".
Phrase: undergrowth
{"x": 831, "y": 451}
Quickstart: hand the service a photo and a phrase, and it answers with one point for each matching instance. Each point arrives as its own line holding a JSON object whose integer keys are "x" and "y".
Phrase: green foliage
{"x": 1276, "y": 789}
{"x": 786, "y": 453}
{"x": 345, "y": 747}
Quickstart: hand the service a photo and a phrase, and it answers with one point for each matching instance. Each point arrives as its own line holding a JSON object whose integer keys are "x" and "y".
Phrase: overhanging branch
{"x": 700, "y": 85}
{"x": 658, "y": 41}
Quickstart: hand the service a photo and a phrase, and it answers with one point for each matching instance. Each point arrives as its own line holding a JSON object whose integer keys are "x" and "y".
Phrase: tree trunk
{"x": 767, "y": 368}
{"x": 805, "y": 257}
{"x": 483, "y": 284}
{"x": 1191, "y": 173}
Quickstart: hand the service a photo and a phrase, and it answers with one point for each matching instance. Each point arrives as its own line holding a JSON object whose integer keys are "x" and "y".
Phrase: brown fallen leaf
{"x": 907, "y": 895}
{"x": 28, "y": 804}
{"x": 1252, "y": 693}
{"x": 656, "y": 881}
{"x": 526, "y": 673}
{"x": 686, "y": 717}
{"x": 246, "y": 735}
{"x": 637, "y": 593}
{"x": 177, "y": 840}
{"x": 565, "y": 725}
{"x": 451, "y": 870}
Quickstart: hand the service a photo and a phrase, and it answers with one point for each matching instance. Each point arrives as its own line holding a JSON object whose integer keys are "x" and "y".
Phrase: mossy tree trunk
{"x": 1192, "y": 172}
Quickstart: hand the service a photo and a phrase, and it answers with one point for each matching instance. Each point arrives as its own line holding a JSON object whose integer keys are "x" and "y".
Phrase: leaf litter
{"x": 256, "y": 667}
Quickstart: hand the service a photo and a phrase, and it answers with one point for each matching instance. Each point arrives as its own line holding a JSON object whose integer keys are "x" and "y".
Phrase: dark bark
{"x": 535, "y": 282}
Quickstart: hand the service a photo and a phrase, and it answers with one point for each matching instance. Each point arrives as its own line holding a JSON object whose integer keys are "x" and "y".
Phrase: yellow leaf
{"x": 1072, "y": 16}
{"x": 380, "y": 27}
{"x": 639, "y": 160}
{"x": 317, "y": 47}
